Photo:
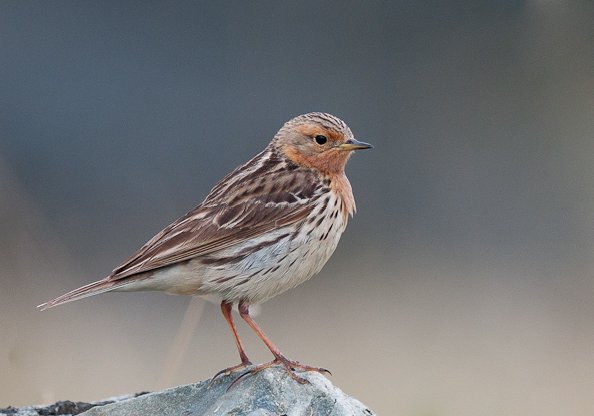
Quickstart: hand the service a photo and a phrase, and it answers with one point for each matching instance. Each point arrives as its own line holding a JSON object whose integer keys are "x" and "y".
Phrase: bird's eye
{"x": 321, "y": 139}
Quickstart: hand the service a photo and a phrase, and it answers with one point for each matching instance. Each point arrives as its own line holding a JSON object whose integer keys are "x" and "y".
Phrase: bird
{"x": 266, "y": 227}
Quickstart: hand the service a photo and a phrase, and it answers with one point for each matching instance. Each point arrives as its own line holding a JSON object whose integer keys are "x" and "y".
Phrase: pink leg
{"x": 245, "y": 361}
{"x": 291, "y": 366}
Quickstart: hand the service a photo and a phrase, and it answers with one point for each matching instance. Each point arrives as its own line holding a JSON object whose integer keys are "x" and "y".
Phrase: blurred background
{"x": 463, "y": 286}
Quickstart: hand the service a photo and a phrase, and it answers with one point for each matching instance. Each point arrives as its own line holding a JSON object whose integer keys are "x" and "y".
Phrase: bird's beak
{"x": 353, "y": 144}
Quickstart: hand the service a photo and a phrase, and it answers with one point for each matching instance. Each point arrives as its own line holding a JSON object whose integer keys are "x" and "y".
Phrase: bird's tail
{"x": 100, "y": 286}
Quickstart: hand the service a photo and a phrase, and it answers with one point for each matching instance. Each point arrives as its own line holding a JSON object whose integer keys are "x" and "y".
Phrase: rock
{"x": 267, "y": 393}
{"x": 60, "y": 408}
{"x": 271, "y": 392}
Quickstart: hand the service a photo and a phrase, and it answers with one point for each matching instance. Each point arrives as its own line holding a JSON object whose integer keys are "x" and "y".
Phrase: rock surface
{"x": 267, "y": 393}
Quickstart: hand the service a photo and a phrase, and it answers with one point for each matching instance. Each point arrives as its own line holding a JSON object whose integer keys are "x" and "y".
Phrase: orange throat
{"x": 341, "y": 185}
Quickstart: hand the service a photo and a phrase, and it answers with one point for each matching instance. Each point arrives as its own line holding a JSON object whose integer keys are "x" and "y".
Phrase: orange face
{"x": 315, "y": 146}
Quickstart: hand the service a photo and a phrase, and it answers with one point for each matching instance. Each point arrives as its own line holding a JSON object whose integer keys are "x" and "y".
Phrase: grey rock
{"x": 23, "y": 411}
{"x": 63, "y": 408}
{"x": 267, "y": 393}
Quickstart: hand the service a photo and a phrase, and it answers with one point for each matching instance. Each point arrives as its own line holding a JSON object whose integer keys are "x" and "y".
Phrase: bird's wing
{"x": 219, "y": 223}
{"x": 206, "y": 229}
{"x": 209, "y": 228}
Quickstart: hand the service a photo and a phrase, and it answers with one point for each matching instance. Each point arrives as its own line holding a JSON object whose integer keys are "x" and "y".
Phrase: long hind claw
{"x": 229, "y": 370}
{"x": 289, "y": 365}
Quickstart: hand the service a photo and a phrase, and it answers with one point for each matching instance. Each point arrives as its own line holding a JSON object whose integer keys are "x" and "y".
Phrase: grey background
{"x": 464, "y": 284}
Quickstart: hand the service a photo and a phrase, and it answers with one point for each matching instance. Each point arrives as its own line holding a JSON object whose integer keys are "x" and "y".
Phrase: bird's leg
{"x": 291, "y": 366}
{"x": 245, "y": 361}
{"x": 226, "y": 309}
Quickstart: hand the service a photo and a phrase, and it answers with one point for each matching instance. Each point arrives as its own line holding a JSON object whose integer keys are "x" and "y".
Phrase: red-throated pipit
{"x": 266, "y": 227}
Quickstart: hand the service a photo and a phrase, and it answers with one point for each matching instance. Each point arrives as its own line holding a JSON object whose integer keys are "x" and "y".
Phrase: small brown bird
{"x": 266, "y": 227}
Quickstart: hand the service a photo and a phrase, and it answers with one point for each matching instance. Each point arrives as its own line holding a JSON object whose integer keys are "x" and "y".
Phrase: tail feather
{"x": 95, "y": 288}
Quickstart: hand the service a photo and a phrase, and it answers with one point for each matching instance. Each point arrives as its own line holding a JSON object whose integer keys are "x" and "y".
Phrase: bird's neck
{"x": 340, "y": 184}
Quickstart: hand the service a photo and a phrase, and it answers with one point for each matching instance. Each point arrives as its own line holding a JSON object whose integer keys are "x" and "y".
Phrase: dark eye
{"x": 320, "y": 139}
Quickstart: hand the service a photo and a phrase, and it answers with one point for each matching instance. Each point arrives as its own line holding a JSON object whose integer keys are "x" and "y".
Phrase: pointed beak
{"x": 353, "y": 144}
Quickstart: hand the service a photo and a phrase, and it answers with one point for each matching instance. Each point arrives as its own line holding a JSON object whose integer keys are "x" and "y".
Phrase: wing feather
{"x": 245, "y": 213}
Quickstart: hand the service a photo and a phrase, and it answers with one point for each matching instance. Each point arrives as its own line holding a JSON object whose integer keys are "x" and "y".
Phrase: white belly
{"x": 261, "y": 275}
{"x": 274, "y": 269}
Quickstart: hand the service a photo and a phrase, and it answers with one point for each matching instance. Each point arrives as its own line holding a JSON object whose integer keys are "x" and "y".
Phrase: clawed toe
{"x": 229, "y": 370}
{"x": 291, "y": 366}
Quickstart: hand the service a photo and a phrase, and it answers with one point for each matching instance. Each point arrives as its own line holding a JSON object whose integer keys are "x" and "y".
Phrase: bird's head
{"x": 319, "y": 141}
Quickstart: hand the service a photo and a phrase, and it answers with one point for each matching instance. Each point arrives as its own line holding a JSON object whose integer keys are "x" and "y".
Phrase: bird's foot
{"x": 289, "y": 365}
{"x": 229, "y": 370}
